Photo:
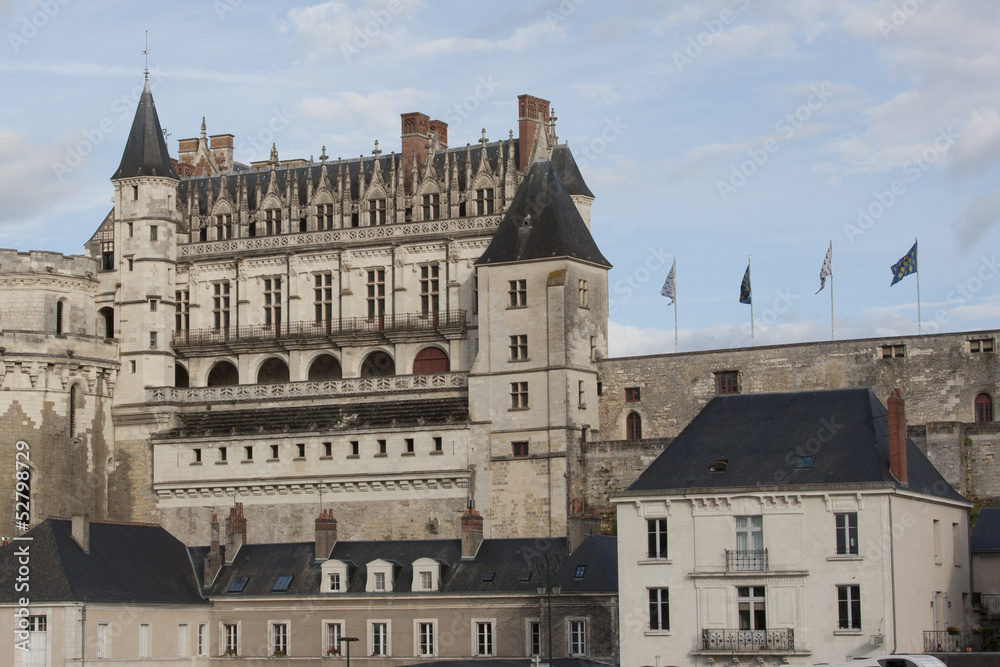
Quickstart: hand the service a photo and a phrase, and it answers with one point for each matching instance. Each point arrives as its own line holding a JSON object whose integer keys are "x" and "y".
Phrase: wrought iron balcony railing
{"x": 746, "y": 561}
{"x": 991, "y": 605}
{"x": 401, "y": 322}
{"x": 748, "y": 641}
{"x": 955, "y": 641}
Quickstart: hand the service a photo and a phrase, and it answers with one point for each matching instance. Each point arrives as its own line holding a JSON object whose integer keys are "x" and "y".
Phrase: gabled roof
{"x": 145, "y": 151}
{"x": 127, "y": 563}
{"x": 986, "y": 533}
{"x": 505, "y": 559}
{"x": 761, "y": 437}
{"x": 542, "y": 222}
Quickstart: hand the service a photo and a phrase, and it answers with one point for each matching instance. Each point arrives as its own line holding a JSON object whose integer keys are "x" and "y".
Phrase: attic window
{"x": 580, "y": 571}
{"x": 282, "y": 583}
{"x": 525, "y": 576}
{"x": 489, "y": 576}
{"x": 719, "y": 465}
{"x": 238, "y": 584}
{"x": 804, "y": 462}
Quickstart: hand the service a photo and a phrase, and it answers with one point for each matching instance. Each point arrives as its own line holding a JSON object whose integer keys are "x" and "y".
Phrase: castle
{"x": 393, "y": 336}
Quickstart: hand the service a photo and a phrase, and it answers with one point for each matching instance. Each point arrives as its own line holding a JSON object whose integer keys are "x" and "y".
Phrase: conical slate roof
{"x": 542, "y": 222}
{"x": 146, "y": 151}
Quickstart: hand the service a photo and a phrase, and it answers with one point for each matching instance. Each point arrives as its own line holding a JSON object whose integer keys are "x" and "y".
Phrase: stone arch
{"x": 274, "y": 370}
{"x": 633, "y": 426}
{"x": 325, "y": 367}
{"x": 378, "y": 364}
{"x": 223, "y": 374}
{"x": 431, "y": 360}
{"x": 181, "y": 377}
{"x": 106, "y": 322}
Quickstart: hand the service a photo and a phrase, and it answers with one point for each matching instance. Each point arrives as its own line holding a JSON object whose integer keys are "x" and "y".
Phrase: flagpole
{"x": 916, "y": 259}
{"x": 831, "y": 290}
{"x": 674, "y": 270}
{"x": 750, "y": 275}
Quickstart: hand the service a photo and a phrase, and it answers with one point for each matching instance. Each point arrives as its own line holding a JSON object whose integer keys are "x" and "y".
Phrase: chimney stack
{"x": 581, "y": 525}
{"x": 213, "y": 560}
{"x": 236, "y": 532}
{"x": 326, "y": 534}
{"x": 414, "y": 135}
{"x": 472, "y": 532}
{"x": 81, "y": 531}
{"x": 897, "y": 437}
{"x": 532, "y": 115}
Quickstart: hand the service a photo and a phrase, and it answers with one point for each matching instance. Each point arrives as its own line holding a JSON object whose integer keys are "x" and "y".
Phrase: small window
{"x": 380, "y": 581}
{"x": 130, "y": 230}
{"x": 438, "y": 444}
{"x": 525, "y": 576}
{"x": 249, "y": 452}
{"x": 130, "y": 264}
{"x": 892, "y": 351}
{"x": 584, "y": 294}
{"x": 152, "y": 305}
{"x": 517, "y": 293}
{"x": 197, "y": 455}
{"x": 152, "y": 340}
{"x": 409, "y": 445}
{"x": 804, "y": 462}
{"x": 520, "y": 449}
{"x": 135, "y": 193}
{"x": 382, "y": 447}
{"x": 632, "y": 394}
{"x": 580, "y": 571}
{"x": 301, "y": 450}
{"x": 980, "y": 345}
{"x": 518, "y": 395}
{"x": 518, "y": 347}
{"x": 223, "y": 454}
{"x": 238, "y": 584}
{"x": 274, "y": 452}
{"x": 718, "y": 465}
{"x": 727, "y": 382}
{"x": 282, "y": 583}
{"x": 131, "y": 366}
{"x": 152, "y": 232}
{"x": 327, "y": 449}
{"x": 489, "y": 576}
{"x": 426, "y": 581}
{"x": 355, "y": 448}
{"x": 334, "y": 581}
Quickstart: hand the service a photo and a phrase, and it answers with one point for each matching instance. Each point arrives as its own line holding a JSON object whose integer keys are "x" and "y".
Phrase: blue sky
{"x": 708, "y": 131}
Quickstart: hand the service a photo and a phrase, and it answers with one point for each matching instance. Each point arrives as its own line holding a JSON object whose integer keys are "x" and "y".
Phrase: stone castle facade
{"x": 394, "y": 336}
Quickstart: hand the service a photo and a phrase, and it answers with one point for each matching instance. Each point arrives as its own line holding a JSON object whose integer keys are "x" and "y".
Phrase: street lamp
{"x": 548, "y": 570}
{"x": 348, "y": 641}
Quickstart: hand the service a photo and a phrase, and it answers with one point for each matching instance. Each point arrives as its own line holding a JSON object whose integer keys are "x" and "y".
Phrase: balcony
{"x": 748, "y": 641}
{"x": 957, "y": 641}
{"x": 990, "y": 605}
{"x": 746, "y": 561}
{"x": 449, "y": 324}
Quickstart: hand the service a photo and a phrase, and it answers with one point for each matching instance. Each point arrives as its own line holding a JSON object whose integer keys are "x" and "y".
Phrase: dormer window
{"x": 380, "y": 576}
{"x": 334, "y": 576}
{"x": 272, "y": 221}
{"x": 426, "y": 574}
{"x": 380, "y": 581}
{"x": 376, "y": 212}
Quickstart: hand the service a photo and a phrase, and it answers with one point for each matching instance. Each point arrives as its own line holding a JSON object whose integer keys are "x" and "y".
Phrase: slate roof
{"x": 569, "y": 172}
{"x": 366, "y": 414}
{"x": 145, "y": 151}
{"x": 507, "y": 559}
{"x": 986, "y": 534}
{"x": 763, "y": 435}
{"x": 127, "y": 563}
{"x": 542, "y": 222}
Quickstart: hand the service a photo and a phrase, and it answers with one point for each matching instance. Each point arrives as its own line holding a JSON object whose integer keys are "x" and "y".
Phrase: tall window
{"x": 220, "y": 305}
{"x": 750, "y": 603}
{"x": 152, "y": 232}
{"x": 429, "y": 287}
{"x": 659, "y": 609}
{"x": 847, "y": 533}
{"x": 324, "y": 216}
{"x": 144, "y": 640}
{"x": 60, "y": 313}
{"x": 107, "y": 256}
{"x": 272, "y": 221}
{"x": 182, "y": 632}
{"x": 517, "y": 292}
{"x": 75, "y": 403}
{"x": 849, "y": 607}
{"x": 484, "y": 637}
{"x": 425, "y": 638}
{"x": 633, "y": 426}
{"x": 182, "y": 310}
{"x": 230, "y": 639}
{"x": 202, "y": 639}
{"x": 376, "y": 212}
{"x": 323, "y": 298}
{"x": 380, "y": 581}
{"x": 518, "y": 395}
{"x": 223, "y": 226}
{"x": 37, "y": 629}
{"x": 749, "y": 543}
{"x": 376, "y": 293}
{"x": 584, "y": 294}
{"x": 519, "y": 347}
{"x": 484, "y": 201}
{"x": 577, "y": 637}
{"x": 279, "y": 639}
{"x": 984, "y": 409}
{"x": 727, "y": 382}
{"x": 431, "y": 206}
{"x": 103, "y": 640}
{"x": 534, "y": 638}
{"x": 332, "y": 634}
{"x": 656, "y": 538}
{"x": 380, "y": 638}
{"x": 272, "y": 302}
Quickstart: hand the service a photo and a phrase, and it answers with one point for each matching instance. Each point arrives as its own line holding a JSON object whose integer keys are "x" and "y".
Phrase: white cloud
{"x": 376, "y": 111}
{"x": 29, "y": 188}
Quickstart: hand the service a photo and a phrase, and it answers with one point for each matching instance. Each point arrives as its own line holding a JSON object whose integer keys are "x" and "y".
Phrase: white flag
{"x": 670, "y": 285}
{"x": 827, "y": 269}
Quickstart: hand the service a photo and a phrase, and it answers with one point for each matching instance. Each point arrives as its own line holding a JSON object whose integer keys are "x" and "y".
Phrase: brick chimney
{"x": 326, "y": 534}
{"x": 532, "y": 114}
{"x": 580, "y": 525}
{"x": 897, "y": 437}
{"x": 414, "y": 135}
{"x": 80, "y": 530}
{"x": 222, "y": 151}
{"x": 236, "y": 532}
{"x": 440, "y": 128}
{"x": 472, "y": 532}
{"x": 213, "y": 560}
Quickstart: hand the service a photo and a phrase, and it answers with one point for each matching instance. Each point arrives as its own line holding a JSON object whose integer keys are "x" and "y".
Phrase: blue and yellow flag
{"x": 745, "y": 287}
{"x": 905, "y": 266}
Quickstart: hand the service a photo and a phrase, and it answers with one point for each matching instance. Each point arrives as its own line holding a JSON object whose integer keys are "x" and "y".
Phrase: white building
{"x": 790, "y": 528}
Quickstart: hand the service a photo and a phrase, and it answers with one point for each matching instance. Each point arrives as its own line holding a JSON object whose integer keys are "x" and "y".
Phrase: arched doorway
{"x": 181, "y": 378}
{"x": 431, "y": 360}
{"x": 378, "y": 364}
{"x": 106, "y": 322}
{"x": 273, "y": 371}
{"x": 325, "y": 367}
{"x": 223, "y": 374}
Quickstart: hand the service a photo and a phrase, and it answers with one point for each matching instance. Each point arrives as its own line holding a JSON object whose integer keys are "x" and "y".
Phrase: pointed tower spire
{"x": 145, "y": 151}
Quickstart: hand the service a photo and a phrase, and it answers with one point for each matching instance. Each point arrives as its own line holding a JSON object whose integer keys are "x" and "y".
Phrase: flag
{"x": 745, "y": 287}
{"x": 827, "y": 269}
{"x": 669, "y": 289}
{"x": 905, "y": 266}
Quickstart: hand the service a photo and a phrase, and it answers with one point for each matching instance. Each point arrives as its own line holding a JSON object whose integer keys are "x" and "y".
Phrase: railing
{"x": 748, "y": 641}
{"x": 448, "y": 319}
{"x": 952, "y": 641}
{"x": 292, "y": 390}
{"x": 746, "y": 561}
{"x": 990, "y": 605}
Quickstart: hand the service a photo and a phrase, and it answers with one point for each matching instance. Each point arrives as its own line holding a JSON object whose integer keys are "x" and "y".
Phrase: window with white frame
{"x": 425, "y": 633}
{"x": 202, "y": 639}
{"x": 426, "y": 581}
{"x": 847, "y": 533}
{"x": 380, "y": 576}
{"x": 482, "y": 637}
{"x": 656, "y": 538}
{"x": 144, "y": 640}
{"x": 849, "y": 607}
{"x": 332, "y": 632}
{"x": 378, "y": 638}
{"x": 380, "y": 581}
{"x": 534, "y": 636}
{"x": 103, "y": 640}
{"x": 279, "y": 638}
{"x": 182, "y": 640}
{"x": 576, "y": 633}
{"x": 37, "y": 628}
{"x": 230, "y": 639}
{"x": 659, "y": 609}
{"x": 426, "y": 574}
{"x": 334, "y": 576}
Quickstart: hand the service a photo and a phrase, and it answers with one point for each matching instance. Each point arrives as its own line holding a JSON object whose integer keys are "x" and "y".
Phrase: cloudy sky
{"x": 709, "y": 131}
